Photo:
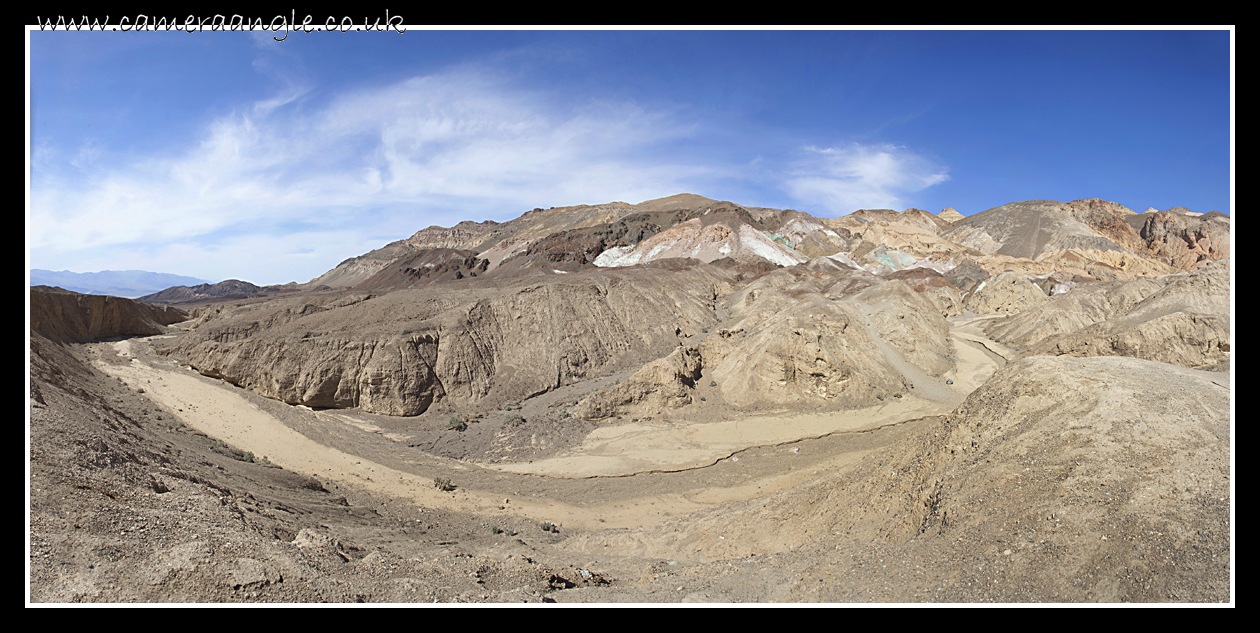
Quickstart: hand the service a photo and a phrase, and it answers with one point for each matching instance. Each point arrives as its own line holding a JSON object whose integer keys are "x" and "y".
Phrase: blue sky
{"x": 230, "y": 155}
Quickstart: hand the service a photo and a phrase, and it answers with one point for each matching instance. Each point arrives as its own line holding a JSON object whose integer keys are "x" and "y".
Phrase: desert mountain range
{"x": 119, "y": 283}
{"x": 700, "y": 401}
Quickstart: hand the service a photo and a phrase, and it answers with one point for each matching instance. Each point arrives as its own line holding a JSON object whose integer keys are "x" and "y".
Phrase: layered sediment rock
{"x": 665, "y": 382}
{"x": 1007, "y": 293}
{"x": 69, "y": 317}
{"x": 398, "y": 353}
{"x": 1180, "y": 319}
{"x": 1184, "y": 241}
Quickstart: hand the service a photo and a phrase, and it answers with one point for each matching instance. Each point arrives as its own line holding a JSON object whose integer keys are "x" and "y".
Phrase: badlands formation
{"x": 682, "y": 400}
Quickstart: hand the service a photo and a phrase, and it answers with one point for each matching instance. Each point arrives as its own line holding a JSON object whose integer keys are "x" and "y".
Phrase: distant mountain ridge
{"x": 229, "y": 289}
{"x": 119, "y": 283}
{"x": 1090, "y": 237}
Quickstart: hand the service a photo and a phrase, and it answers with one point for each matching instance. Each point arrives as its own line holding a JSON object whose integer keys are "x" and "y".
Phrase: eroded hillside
{"x": 683, "y": 400}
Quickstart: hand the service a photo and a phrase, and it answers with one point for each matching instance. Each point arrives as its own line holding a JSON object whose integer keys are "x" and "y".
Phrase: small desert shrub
{"x": 565, "y": 414}
{"x": 456, "y": 424}
{"x": 514, "y": 420}
{"x": 443, "y": 483}
{"x": 712, "y": 383}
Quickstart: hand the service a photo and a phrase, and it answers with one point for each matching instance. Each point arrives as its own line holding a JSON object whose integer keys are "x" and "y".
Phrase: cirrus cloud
{"x": 846, "y": 178}
{"x": 444, "y": 147}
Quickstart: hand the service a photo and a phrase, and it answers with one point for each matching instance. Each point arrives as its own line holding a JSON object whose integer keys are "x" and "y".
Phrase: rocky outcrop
{"x": 812, "y": 237}
{"x": 1186, "y": 322}
{"x": 719, "y": 232}
{"x": 485, "y": 345}
{"x": 1028, "y": 229}
{"x": 663, "y": 383}
{"x": 1006, "y": 293}
{"x": 934, "y": 286}
{"x": 917, "y": 218}
{"x": 424, "y": 267}
{"x": 949, "y": 214}
{"x": 1102, "y": 265}
{"x": 1073, "y": 311}
{"x": 578, "y": 248}
{"x": 463, "y": 236}
{"x": 1184, "y": 241}
{"x": 791, "y": 345}
{"x": 1180, "y": 338}
{"x": 69, "y": 317}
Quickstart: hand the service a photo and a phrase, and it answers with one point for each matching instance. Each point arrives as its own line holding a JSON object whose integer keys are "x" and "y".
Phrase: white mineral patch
{"x": 762, "y": 246}
{"x": 613, "y": 257}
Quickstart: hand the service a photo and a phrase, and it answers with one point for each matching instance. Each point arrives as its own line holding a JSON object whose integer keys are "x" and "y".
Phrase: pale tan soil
{"x": 1054, "y": 480}
{"x": 226, "y": 412}
{"x": 404, "y": 546}
{"x": 695, "y": 440}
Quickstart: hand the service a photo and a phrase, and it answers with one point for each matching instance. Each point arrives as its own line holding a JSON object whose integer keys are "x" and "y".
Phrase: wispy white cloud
{"x": 462, "y": 140}
{"x": 846, "y": 178}
{"x": 274, "y": 192}
{"x": 283, "y": 68}
{"x": 87, "y": 155}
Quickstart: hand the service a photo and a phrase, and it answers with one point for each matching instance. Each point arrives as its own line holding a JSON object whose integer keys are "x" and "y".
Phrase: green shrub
{"x": 456, "y": 424}
{"x": 514, "y": 420}
{"x": 443, "y": 483}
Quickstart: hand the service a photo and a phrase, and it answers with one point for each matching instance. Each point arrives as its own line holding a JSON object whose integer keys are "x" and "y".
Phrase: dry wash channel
{"x": 670, "y": 453}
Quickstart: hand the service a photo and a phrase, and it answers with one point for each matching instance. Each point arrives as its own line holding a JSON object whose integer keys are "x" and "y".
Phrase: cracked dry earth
{"x": 1035, "y": 480}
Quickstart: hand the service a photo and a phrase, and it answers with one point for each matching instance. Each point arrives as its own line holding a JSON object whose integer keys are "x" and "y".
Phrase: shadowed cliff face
{"x": 69, "y": 317}
{"x": 497, "y": 341}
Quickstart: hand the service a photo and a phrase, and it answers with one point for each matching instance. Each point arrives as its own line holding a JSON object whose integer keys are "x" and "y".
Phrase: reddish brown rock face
{"x": 1186, "y": 242}
{"x": 1108, "y": 220}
